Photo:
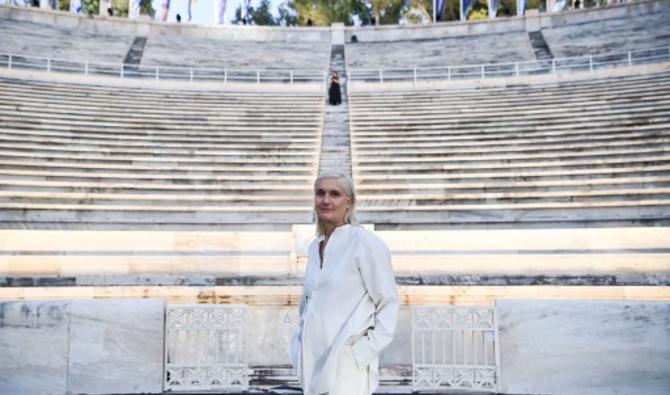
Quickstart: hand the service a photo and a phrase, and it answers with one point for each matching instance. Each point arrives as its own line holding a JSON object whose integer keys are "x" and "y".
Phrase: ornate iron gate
{"x": 455, "y": 347}
{"x": 205, "y": 347}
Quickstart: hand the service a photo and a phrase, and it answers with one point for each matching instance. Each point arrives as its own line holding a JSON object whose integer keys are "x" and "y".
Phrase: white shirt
{"x": 352, "y": 300}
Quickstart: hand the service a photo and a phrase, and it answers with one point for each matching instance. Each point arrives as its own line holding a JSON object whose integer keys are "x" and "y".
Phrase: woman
{"x": 350, "y": 303}
{"x": 334, "y": 93}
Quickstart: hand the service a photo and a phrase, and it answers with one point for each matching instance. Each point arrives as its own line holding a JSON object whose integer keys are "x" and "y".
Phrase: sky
{"x": 204, "y": 12}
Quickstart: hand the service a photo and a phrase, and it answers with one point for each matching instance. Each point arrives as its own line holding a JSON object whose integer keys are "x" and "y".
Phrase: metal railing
{"x": 161, "y": 73}
{"x": 297, "y": 76}
{"x": 495, "y": 70}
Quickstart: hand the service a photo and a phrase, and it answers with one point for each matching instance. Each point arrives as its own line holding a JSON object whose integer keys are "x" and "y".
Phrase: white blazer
{"x": 352, "y": 301}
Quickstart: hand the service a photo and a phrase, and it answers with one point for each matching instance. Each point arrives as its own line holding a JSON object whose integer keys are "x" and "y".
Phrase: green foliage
{"x": 146, "y": 8}
{"x": 366, "y": 12}
{"x": 120, "y": 8}
{"x": 326, "y": 12}
{"x": 418, "y": 11}
{"x": 262, "y": 15}
{"x": 247, "y": 14}
{"x": 244, "y": 14}
{"x": 90, "y": 7}
{"x": 388, "y": 11}
{"x": 63, "y": 5}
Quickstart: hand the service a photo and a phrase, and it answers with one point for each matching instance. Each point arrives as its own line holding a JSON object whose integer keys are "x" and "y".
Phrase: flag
{"x": 221, "y": 11}
{"x": 520, "y": 7}
{"x": 75, "y": 6}
{"x": 165, "y": 10}
{"x": 440, "y": 5}
{"x": 191, "y": 4}
{"x": 134, "y": 9}
{"x": 465, "y": 9}
{"x": 493, "y": 8}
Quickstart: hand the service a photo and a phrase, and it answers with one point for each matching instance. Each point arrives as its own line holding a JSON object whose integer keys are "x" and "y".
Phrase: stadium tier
{"x": 617, "y": 35}
{"x": 218, "y": 53}
{"x": 63, "y": 42}
{"x": 83, "y": 156}
{"x": 581, "y": 153}
{"x": 474, "y": 49}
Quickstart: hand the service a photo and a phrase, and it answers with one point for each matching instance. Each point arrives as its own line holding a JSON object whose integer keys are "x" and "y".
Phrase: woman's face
{"x": 331, "y": 202}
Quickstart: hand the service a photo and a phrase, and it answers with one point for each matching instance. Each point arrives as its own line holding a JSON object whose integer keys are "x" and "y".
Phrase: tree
{"x": 325, "y": 12}
{"x": 91, "y": 7}
{"x": 262, "y": 15}
{"x": 418, "y": 12}
{"x": 244, "y": 14}
{"x": 387, "y": 11}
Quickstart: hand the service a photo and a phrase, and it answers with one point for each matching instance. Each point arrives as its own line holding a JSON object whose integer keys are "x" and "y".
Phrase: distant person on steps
{"x": 334, "y": 93}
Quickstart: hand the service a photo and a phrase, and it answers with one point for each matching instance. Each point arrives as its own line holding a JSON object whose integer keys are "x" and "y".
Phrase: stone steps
{"x": 568, "y": 89}
{"x": 88, "y": 158}
{"x": 279, "y": 153}
{"x": 447, "y": 199}
{"x": 433, "y": 170}
{"x": 440, "y": 52}
{"x": 516, "y": 139}
{"x": 160, "y": 170}
{"x": 637, "y": 31}
{"x": 423, "y": 152}
{"x": 261, "y": 141}
{"x": 565, "y": 155}
{"x": 540, "y": 47}
{"x": 335, "y": 144}
{"x": 464, "y": 126}
{"x": 371, "y": 181}
{"x": 137, "y": 217}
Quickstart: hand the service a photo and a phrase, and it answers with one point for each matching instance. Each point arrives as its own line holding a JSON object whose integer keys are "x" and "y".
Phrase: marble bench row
{"x": 120, "y": 256}
{"x": 48, "y": 40}
{"x": 614, "y": 35}
{"x": 617, "y": 35}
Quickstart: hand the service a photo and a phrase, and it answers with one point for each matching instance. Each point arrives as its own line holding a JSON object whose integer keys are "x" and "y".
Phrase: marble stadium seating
{"x": 77, "y": 156}
{"x": 63, "y": 42}
{"x": 483, "y": 48}
{"x": 616, "y": 35}
{"x": 239, "y": 54}
{"x": 562, "y": 154}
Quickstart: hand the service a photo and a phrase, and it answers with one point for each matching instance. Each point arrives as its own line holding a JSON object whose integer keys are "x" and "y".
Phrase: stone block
{"x": 584, "y": 347}
{"x": 33, "y": 347}
{"x": 116, "y": 346}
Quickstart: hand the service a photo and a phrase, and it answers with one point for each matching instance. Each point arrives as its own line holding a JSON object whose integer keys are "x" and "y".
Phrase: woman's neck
{"x": 328, "y": 229}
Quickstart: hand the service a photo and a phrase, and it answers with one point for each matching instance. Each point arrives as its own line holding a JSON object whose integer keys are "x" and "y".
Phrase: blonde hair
{"x": 347, "y": 185}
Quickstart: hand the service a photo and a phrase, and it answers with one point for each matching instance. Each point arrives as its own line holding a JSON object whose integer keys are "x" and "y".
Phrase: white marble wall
{"x": 33, "y": 347}
{"x": 116, "y": 345}
{"x": 81, "y": 346}
{"x": 548, "y": 347}
{"x": 584, "y": 347}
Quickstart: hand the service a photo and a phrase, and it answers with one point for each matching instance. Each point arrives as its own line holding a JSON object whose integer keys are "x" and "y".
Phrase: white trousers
{"x": 350, "y": 379}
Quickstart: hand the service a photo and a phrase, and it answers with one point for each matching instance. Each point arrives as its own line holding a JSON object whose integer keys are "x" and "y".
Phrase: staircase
{"x": 543, "y": 54}
{"x": 335, "y": 147}
{"x": 134, "y": 56}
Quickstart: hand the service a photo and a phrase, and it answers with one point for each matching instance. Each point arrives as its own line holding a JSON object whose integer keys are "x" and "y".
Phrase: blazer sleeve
{"x": 374, "y": 264}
